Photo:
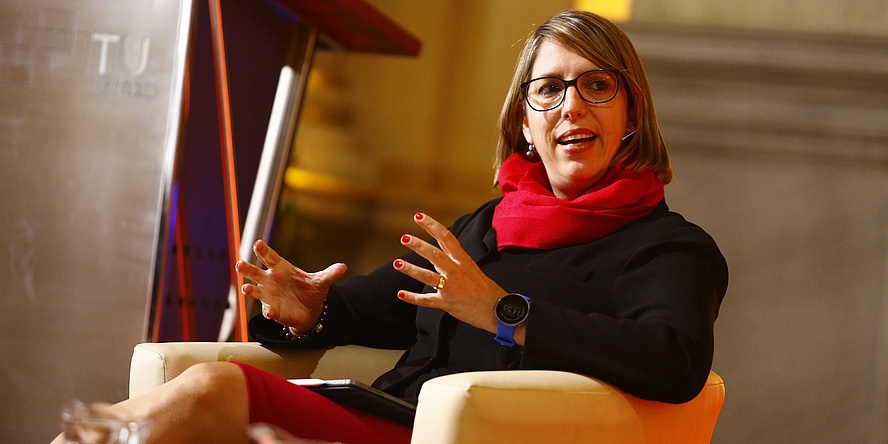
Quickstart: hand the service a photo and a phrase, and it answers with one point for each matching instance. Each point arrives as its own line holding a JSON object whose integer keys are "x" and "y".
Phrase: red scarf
{"x": 531, "y": 216}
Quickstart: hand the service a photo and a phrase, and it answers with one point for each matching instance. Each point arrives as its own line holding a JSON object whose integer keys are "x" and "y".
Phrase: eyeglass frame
{"x": 617, "y": 73}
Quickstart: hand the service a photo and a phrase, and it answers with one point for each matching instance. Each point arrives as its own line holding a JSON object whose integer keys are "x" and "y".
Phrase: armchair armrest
{"x": 156, "y": 363}
{"x": 550, "y": 406}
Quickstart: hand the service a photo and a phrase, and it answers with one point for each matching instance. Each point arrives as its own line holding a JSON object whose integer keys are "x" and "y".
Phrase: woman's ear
{"x": 525, "y": 128}
{"x": 633, "y": 113}
{"x": 634, "y": 118}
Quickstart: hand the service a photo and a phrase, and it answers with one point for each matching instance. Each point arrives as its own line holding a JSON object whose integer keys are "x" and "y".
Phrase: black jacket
{"x": 635, "y": 309}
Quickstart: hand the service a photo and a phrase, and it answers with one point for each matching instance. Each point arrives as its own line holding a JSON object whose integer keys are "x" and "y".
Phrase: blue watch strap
{"x": 505, "y": 334}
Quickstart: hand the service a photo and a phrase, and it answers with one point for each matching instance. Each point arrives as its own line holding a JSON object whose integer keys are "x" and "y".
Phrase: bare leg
{"x": 206, "y": 403}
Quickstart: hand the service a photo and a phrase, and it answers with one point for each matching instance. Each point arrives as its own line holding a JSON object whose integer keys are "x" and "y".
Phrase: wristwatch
{"x": 511, "y": 311}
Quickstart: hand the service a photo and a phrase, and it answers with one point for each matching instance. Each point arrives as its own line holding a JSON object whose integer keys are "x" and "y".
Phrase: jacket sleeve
{"x": 659, "y": 344}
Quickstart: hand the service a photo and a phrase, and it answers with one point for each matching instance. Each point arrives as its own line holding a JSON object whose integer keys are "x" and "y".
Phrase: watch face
{"x": 512, "y": 309}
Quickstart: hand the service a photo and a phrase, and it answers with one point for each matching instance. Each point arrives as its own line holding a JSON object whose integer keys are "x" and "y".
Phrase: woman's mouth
{"x": 576, "y": 139}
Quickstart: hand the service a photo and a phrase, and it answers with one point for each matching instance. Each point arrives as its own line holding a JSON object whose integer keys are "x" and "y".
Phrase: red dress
{"x": 308, "y": 415}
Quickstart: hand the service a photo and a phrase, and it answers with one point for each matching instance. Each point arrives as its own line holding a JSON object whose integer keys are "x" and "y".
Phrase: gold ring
{"x": 441, "y": 282}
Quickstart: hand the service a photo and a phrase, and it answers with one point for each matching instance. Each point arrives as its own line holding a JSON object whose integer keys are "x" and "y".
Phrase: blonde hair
{"x": 604, "y": 44}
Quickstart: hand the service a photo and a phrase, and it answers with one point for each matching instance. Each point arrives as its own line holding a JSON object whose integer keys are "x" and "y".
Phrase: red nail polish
{"x": 401, "y": 295}
{"x": 405, "y": 239}
{"x": 418, "y": 216}
{"x": 399, "y": 263}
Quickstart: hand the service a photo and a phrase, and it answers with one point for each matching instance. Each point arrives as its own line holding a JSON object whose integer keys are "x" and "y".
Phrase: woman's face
{"x": 577, "y": 140}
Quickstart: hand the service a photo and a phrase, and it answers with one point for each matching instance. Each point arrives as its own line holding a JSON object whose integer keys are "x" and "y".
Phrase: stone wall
{"x": 780, "y": 147}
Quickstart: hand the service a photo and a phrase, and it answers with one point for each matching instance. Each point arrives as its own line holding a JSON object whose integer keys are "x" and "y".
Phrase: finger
{"x": 436, "y": 256}
{"x": 266, "y": 254}
{"x": 446, "y": 239}
{"x": 423, "y": 275}
{"x": 332, "y": 274}
{"x": 321, "y": 280}
{"x": 252, "y": 291}
{"x": 430, "y": 300}
{"x": 269, "y": 311}
{"x": 249, "y": 271}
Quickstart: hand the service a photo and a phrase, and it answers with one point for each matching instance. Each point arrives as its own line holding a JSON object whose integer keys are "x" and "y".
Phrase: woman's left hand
{"x": 464, "y": 290}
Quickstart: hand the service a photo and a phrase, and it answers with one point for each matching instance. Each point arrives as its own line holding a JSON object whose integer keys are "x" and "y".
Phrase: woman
{"x": 579, "y": 267}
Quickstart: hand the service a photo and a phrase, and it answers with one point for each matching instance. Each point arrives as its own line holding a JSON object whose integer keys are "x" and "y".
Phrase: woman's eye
{"x": 596, "y": 85}
{"x": 550, "y": 89}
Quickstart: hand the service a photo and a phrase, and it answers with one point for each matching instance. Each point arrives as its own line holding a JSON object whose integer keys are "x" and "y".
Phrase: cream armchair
{"x": 518, "y": 406}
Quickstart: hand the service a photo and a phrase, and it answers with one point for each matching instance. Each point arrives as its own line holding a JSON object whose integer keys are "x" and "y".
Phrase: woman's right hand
{"x": 289, "y": 295}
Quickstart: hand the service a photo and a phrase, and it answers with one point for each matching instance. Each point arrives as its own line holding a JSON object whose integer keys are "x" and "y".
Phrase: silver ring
{"x": 264, "y": 310}
{"x": 441, "y": 282}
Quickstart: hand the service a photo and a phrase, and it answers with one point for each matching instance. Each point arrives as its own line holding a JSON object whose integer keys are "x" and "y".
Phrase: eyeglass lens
{"x": 547, "y": 93}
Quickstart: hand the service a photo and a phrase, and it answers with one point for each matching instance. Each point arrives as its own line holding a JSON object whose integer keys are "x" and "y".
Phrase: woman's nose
{"x": 574, "y": 106}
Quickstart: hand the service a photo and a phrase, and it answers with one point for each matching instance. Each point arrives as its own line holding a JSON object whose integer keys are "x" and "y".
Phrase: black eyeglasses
{"x": 596, "y": 86}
